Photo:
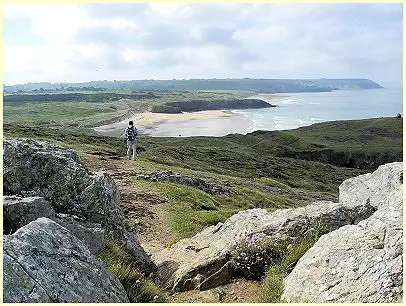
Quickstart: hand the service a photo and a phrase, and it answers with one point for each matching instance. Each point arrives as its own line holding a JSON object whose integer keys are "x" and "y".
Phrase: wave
{"x": 305, "y": 122}
{"x": 289, "y": 101}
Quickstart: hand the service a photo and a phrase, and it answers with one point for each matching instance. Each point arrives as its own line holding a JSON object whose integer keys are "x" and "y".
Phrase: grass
{"x": 191, "y": 210}
{"x": 272, "y": 285}
{"x": 85, "y": 114}
{"x": 138, "y": 288}
{"x": 63, "y": 114}
{"x": 264, "y": 169}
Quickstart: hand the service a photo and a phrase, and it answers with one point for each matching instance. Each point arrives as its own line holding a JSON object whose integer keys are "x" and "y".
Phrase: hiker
{"x": 131, "y": 140}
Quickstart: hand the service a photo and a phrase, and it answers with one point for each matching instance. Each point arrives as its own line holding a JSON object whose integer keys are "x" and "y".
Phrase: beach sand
{"x": 203, "y": 123}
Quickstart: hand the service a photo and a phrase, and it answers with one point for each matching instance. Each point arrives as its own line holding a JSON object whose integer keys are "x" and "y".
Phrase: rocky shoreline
{"x": 203, "y": 105}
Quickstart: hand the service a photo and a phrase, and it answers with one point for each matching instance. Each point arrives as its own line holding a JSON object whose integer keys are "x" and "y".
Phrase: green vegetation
{"x": 251, "y": 257}
{"x": 270, "y": 170}
{"x": 192, "y": 210}
{"x": 138, "y": 288}
{"x": 272, "y": 287}
{"x": 261, "y": 85}
{"x": 363, "y": 144}
{"x": 82, "y": 111}
{"x": 71, "y": 115}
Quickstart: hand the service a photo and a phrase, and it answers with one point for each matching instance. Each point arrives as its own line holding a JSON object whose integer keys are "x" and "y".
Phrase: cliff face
{"x": 200, "y": 105}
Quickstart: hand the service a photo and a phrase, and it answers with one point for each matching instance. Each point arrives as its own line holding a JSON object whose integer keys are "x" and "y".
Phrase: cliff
{"x": 201, "y": 105}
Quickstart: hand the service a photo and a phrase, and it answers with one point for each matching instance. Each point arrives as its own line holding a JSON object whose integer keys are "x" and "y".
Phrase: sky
{"x": 87, "y": 42}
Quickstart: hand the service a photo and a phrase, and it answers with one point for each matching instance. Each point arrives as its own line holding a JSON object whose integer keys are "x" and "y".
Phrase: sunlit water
{"x": 301, "y": 109}
{"x": 294, "y": 110}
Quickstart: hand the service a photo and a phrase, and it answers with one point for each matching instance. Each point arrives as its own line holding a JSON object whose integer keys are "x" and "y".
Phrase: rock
{"x": 199, "y": 105}
{"x": 76, "y": 275}
{"x": 359, "y": 263}
{"x": 91, "y": 234}
{"x": 198, "y": 262}
{"x": 181, "y": 179}
{"x": 18, "y": 211}
{"x": 49, "y": 171}
{"x": 373, "y": 187}
{"x": 57, "y": 175}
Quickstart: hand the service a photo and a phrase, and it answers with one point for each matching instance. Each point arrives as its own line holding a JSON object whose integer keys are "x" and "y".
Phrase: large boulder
{"x": 202, "y": 261}
{"x": 44, "y": 262}
{"x": 56, "y": 174}
{"x": 91, "y": 234}
{"x": 45, "y": 169}
{"x": 372, "y": 187}
{"x": 357, "y": 263}
{"x": 19, "y": 211}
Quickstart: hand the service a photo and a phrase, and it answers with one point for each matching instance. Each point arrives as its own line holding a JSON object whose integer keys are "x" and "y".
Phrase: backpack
{"x": 131, "y": 133}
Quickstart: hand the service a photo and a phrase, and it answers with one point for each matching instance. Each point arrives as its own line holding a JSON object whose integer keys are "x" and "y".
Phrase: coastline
{"x": 158, "y": 124}
{"x": 201, "y": 123}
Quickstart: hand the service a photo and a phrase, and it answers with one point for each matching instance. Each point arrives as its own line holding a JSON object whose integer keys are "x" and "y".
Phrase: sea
{"x": 301, "y": 109}
{"x": 293, "y": 110}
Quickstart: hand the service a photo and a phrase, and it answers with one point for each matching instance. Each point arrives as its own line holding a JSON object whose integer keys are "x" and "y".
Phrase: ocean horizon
{"x": 301, "y": 109}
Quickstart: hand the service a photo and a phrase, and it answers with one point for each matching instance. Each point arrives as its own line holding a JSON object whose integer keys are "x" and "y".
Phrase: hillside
{"x": 180, "y": 186}
{"x": 256, "y": 85}
{"x": 266, "y": 169}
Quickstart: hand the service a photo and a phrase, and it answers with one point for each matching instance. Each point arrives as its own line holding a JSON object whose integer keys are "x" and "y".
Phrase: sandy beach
{"x": 213, "y": 122}
{"x": 203, "y": 123}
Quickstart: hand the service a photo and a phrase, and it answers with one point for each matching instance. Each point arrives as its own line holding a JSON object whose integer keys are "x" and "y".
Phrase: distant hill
{"x": 256, "y": 85}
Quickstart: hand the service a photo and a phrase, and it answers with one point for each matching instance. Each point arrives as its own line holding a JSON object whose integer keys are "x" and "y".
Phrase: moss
{"x": 139, "y": 289}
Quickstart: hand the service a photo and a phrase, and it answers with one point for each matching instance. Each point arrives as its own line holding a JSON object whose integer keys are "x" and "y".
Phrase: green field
{"x": 254, "y": 165}
{"x": 95, "y": 108}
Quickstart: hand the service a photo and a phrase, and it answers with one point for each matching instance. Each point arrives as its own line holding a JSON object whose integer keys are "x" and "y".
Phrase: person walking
{"x": 131, "y": 140}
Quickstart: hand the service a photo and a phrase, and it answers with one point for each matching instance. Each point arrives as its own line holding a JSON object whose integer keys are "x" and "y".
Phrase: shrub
{"x": 252, "y": 256}
{"x": 120, "y": 263}
{"x": 272, "y": 287}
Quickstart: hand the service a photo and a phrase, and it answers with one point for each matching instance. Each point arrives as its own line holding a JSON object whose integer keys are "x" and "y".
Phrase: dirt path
{"x": 237, "y": 291}
{"x": 146, "y": 214}
{"x": 145, "y": 210}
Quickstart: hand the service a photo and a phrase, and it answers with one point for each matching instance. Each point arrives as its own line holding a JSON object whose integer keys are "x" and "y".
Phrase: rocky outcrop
{"x": 91, "y": 234}
{"x": 19, "y": 211}
{"x": 202, "y": 261}
{"x": 57, "y": 175}
{"x": 177, "y": 178}
{"x": 44, "y": 262}
{"x": 362, "y": 262}
{"x": 373, "y": 187}
{"x": 200, "y": 105}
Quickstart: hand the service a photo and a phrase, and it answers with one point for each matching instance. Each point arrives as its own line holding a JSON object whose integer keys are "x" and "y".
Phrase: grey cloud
{"x": 109, "y": 59}
{"x": 107, "y": 35}
{"x": 322, "y": 40}
{"x": 218, "y": 35}
{"x": 239, "y": 57}
{"x": 167, "y": 60}
{"x": 111, "y": 10}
